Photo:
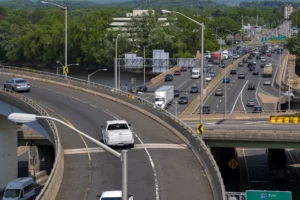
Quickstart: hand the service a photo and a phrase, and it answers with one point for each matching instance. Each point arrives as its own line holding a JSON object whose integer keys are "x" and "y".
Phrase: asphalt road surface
{"x": 160, "y": 166}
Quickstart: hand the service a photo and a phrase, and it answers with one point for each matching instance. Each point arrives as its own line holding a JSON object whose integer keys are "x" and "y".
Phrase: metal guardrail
{"x": 236, "y": 195}
{"x": 51, "y": 187}
{"x": 181, "y": 129}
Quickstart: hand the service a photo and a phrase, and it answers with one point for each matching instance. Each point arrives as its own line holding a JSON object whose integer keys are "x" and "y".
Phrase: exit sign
{"x": 268, "y": 195}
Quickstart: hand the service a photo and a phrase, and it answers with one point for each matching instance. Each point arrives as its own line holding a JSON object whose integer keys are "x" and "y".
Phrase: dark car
{"x": 251, "y": 86}
{"x": 233, "y": 71}
{"x": 176, "y": 93}
{"x": 219, "y": 92}
{"x": 245, "y": 60}
{"x": 222, "y": 65}
{"x": 212, "y": 74}
{"x": 205, "y": 109}
{"x": 183, "y": 100}
{"x": 258, "y": 57}
{"x": 250, "y": 57}
{"x": 241, "y": 64}
{"x": 269, "y": 55}
{"x": 142, "y": 88}
{"x": 252, "y": 68}
{"x": 183, "y": 69}
{"x": 177, "y": 73}
{"x": 241, "y": 76}
{"x": 194, "y": 89}
{"x": 262, "y": 65}
{"x": 226, "y": 80}
{"x": 250, "y": 103}
{"x": 255, "y": 72}
{"x": 169, "y": 77}
{"x": 257, "y": 109}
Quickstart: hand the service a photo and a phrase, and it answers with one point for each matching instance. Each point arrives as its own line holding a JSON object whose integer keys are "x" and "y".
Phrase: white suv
{"x": 117, "y": 133}
{"x": 115, "y": 195}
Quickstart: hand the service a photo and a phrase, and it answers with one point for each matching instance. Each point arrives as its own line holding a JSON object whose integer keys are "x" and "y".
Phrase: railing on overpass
{"x": 181, "y": 129}
{"x": 52, "y": 185}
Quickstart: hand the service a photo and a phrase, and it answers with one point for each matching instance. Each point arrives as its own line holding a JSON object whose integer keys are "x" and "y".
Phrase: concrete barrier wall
{"x": 53, "y": 183}
{"x": 171, "y": 122}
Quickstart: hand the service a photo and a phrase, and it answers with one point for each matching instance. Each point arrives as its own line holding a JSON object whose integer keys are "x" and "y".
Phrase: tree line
{"x": 36, "y": 37}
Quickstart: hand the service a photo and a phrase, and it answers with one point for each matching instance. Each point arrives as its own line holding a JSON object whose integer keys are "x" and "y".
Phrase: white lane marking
{"x": 183, "y": 84}
{"x": 295, "y": 163}
{"x": 93, "y": 105}
{"x": 220, "y": 100}
{"x": 243, "y": 103}
{"x": 238, "y": 97}
{"x": 217, "y": 106}
{"x": 228, "y": 88}
{"x": 257, "y": 122}
{"x": 149, "y": 157}
{"x": 137, "y": 146}
{"x": 256, "y": 93}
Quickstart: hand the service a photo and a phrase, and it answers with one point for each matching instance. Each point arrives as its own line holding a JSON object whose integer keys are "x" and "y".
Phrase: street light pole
{"x": 25, "y": 118}
{"x": 116, "y": 64}
{"x": 66, "y": 31}
{"x": 89, "y": 75}
{"x": 289, "y": 108}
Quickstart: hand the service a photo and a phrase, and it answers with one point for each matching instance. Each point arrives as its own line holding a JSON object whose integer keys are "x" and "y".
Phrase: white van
{"x": 195, "y": 73}
{"x": 117, "y": 133}
{"x": 20, "y": 189}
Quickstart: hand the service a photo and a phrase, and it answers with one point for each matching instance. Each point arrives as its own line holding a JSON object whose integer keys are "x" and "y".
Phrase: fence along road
{"x": 163, "y": 118}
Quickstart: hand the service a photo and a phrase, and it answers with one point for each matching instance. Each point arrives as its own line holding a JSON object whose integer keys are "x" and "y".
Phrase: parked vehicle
{"x": 164, "y": 96}
{"x": 117, "y": 133}
{"x": 18, "y": 85}
{"x": 20, "y": 189}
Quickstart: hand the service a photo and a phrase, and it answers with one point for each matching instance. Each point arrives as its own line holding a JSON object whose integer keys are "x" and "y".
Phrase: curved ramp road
{"x": 160, "y": 166}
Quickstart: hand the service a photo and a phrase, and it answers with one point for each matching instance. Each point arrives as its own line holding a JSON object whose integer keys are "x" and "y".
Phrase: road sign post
{"x": 268, "y": 195}
{"x": 200, "y": 128}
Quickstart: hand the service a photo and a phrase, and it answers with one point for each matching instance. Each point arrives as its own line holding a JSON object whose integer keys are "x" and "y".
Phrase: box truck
{"x": 164, "y": 96}
{"x": 195, "y": 73}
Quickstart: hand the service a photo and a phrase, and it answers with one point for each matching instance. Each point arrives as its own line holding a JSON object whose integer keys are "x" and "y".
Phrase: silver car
{"x": 18, "y": 85}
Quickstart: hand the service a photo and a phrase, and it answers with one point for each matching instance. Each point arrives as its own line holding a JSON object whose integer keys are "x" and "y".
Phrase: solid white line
{"x": 243, "y": 103}
{"x": 238, "y": 98}
{"x": 93, "y": 105}
{"x": 217, "y": 106}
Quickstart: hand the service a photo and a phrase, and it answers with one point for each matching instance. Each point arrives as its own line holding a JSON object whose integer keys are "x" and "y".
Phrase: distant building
{"x": 122, "y": 23}
{"x": 286, "y": 11}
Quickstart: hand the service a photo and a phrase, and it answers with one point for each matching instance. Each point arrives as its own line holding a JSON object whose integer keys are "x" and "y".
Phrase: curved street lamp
{"x": 202, "y": 57}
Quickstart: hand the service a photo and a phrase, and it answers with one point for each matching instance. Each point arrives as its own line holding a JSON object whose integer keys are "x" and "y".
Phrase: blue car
{"x": 226, "y": 80}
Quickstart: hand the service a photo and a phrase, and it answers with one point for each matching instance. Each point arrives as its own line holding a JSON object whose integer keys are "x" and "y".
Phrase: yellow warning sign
{"x": 233, "y": 163}
{"x": 200, "y": 128}
{"x": 66, "y": 70}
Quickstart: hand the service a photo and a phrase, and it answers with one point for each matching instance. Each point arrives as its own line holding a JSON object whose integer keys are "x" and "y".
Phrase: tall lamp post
{"x": 62, "y": 66}
{"x": 202, "y": 57}
{"x": 144, "y": 60}
{"x": 225, "y": 78}
{"x": 66, "y": 31}
{"x": 232, "y": 36}
{"x": 89, "y": 75}
{"x": 26, "y": 118}
{"x": 116, "y": 64}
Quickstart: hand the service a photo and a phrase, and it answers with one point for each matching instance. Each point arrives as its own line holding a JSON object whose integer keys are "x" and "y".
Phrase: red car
{"x": 269, "y": 55}
{"x": 183, "y": 69}
{"x": 177, "y": 73}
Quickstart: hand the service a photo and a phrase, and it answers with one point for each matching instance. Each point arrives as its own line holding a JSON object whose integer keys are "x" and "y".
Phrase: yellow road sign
{"x": 200, "y": 128}
{"x": 66, "y": 70}
{"x": 233, "y": 163}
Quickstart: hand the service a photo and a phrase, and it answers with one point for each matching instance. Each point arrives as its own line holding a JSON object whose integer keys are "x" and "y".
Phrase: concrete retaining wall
{"x": 178, "y": 127}
{"x": 53, "y": 183}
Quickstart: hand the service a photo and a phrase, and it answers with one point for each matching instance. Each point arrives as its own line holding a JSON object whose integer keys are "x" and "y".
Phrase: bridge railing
{"x": 52, "y": 185}
{"x": 181, "y": 129}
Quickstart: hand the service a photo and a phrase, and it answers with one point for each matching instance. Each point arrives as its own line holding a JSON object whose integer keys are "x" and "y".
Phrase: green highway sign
{"x": 268, "y": 195}
{"x": 264, "y": 39}
{"x": 280, "y": 37}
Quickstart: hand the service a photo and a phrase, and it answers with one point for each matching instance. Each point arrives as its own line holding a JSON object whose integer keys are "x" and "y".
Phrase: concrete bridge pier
{"x": 227, "y": 161}
{"x": 8, "y": 151}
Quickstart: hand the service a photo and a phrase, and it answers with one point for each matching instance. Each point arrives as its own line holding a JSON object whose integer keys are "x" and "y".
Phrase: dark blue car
{"x": 226, "y": 80}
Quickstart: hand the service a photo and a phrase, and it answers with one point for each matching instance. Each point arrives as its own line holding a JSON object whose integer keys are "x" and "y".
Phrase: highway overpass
{"x": 87, "y": 108}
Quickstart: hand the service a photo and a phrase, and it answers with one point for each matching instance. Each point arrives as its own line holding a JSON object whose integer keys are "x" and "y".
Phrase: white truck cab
{"x": 113, "y": 195}
{"x": 117, "y": 133}
{"x": 195, "y": 73}
{"x": 20, "y": 189}
{"x": 225, "y": 55}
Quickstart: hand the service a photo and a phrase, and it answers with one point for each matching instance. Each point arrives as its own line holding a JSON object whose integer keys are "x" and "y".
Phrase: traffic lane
{"x": 147, "y": 129}
{"x": 254, "y": 167}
